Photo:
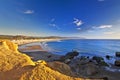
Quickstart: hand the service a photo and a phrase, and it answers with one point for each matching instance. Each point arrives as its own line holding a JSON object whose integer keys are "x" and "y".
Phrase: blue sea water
{"x": 86, "y": 47}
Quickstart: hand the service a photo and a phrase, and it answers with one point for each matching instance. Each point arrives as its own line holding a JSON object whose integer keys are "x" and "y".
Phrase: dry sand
{"x": 22, "y": 42}
{"x": 31, "y": 48}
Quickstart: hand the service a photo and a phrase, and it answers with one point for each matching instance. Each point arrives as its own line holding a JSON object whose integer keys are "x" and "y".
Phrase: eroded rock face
{"x": 10, "y": 46}
{"x": 117, "y": 54}
{"x": 69, "y": 56}
{"x": 100, "y": 61}
{"x": 117, "y": 63}
{"x": 44, "y": 72}
{"x": 17, "y": 66}
{"x": 61, "y": 67}
{"x": 89, "y": 69}
{"x": 11, "y": 58}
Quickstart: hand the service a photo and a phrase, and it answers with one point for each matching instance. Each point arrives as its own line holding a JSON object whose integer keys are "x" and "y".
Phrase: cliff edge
{"x": 18, "y": 66}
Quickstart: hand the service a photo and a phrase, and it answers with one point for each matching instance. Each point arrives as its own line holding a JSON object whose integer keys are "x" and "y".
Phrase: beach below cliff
{"x": 85, "y": 68}
{"x": 42, "y": 65}
{"x": 26, "y": 41}
{"x": 36, "y": 52}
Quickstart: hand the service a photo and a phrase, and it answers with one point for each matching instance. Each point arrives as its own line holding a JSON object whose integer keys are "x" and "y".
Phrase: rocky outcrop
{"x": 17, "y": 66}
{"x": 61, "y": 67}
{"x": 10, "y": 58}
{"x": 108, "y": 57}
{"x": 100, "y": 61}
{"x": 84, "y": 67}
{"x": 9, "y": 45}
{"x": 117, "y": 54}
{"x": 70, "y": 55}
{"x": 117, "y": 63}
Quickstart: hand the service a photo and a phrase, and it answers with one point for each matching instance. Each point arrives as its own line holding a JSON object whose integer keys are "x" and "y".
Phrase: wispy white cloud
{"x": 54, "y": 25}
{"x": 101, "y": 0}
{"x": 109, "y": 32}
{"x": 28, "y": 12}
{"x": 77, "y": 22}
{"x": 105, "y": 26}
{"x": 78, "y": 28}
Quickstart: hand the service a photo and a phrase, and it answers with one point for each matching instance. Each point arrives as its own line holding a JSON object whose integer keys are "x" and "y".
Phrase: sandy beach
{"x": 36, "y": 52}
{"x": 22, "y": 42}
{"x": 17, "y": 59}
{"x": 31, "y": 48}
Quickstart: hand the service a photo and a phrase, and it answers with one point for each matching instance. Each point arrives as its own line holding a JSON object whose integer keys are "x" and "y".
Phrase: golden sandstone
{"x": 18, "y": 66}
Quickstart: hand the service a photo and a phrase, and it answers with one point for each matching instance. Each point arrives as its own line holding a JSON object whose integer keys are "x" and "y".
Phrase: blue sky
{"x": 98, "y": 19}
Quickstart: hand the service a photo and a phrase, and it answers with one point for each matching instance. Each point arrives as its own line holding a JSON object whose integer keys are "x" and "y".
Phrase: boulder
{"x": 94, "y": 61}
{"x": 68, "y": 56}
{"x": 83, "y": 58}
{"x": 108, "y": 57}
{"x": 117, "y": 63}
{"x": 61, "y": 67}
{"x": 117, "y": 54}
{"x": 103, "y": 63}
{"x": 82, "y": 62}
{"x": 98, "y": 59}
{"x": 88, "y": 69}
{"x": 91, "y": 69}
{"x": 72, "y": 54}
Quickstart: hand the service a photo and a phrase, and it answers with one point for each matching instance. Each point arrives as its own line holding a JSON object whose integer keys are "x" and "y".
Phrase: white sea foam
{"x": 45, "y": 46}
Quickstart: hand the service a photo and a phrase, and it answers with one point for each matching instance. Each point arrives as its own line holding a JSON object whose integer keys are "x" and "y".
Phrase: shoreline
{"x": 31, "y": 48}
{"x": 42, "y": 55}
{"x": 50, "y": 57}
{"x": 23, "y": 42}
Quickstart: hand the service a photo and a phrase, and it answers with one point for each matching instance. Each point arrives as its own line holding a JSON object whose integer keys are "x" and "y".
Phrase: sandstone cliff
{"x": 18, "y": 66}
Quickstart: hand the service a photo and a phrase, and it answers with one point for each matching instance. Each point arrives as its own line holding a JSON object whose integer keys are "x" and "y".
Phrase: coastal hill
{"x": 19, "y": 37}
{"x": 18, "y": 66}
{"x": 22, "y": 39}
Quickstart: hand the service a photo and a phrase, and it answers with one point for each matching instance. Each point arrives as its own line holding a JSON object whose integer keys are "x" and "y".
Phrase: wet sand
{"x": 31, "y": 48}
{"x": 36, "y": 52}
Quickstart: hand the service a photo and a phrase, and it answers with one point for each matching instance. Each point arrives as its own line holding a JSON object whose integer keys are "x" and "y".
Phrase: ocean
{"x": 86, "y": 47}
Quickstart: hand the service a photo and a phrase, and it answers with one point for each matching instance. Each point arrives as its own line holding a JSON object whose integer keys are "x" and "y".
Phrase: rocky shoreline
{"x": 82, "y": 66}
{"x": 43, "y": 65}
